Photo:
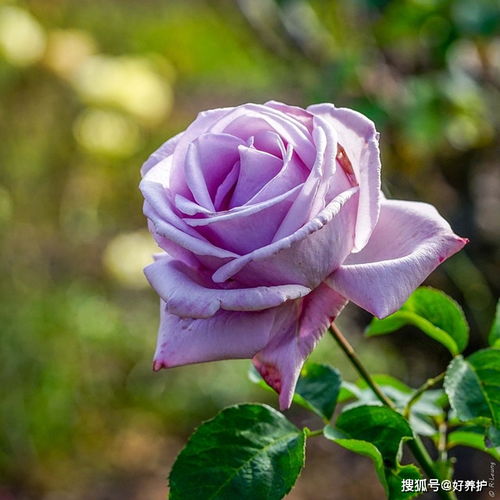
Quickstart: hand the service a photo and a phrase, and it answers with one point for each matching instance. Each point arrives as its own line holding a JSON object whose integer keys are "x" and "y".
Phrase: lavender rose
{"x": 272, "y": 218}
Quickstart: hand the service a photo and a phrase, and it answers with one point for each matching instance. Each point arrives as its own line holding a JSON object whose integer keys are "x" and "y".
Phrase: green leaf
{"x": 473, "y": 385}
{"x": 464, "y": 437}
{"x": 377, "y": 432}
{"x": 427, "y": 405}
{"x": 318, "y": 388}
{"x": 379, "y": 425}
{"x": 433, "y": 312}
{"x": 395, "y": 478}
{"x": 494, "y": 335}
{"x": 473, "y": 388}
{"x": 493, "y": 437}
{"x": 361, "y": 448}
{"x": 247, "y": 451}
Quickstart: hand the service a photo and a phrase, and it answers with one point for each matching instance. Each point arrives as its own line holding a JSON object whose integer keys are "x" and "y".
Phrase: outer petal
{"x": 165, "y": 150}
{"x": 307, "y": 256}
{"x": 189, "y": 294}
{"x": 357, "y": 135}
{"x": 226, "y": 335}
{"x": 282, "y": 358}
{"x": 410, "y": 240}
{"x": 158, "y": 209}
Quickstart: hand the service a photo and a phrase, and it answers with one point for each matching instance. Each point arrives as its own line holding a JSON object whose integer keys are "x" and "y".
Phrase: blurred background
{"x": 88, "y": 90}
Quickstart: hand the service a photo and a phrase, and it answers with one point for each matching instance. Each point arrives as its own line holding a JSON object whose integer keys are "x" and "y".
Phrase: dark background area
{"x": 88, "y": 90}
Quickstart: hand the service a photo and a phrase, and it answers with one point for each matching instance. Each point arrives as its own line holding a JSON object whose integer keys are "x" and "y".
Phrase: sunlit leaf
{"x": 247, "y": 451}
{"x": 473, "y": 439}
{"x": 377, "y": 432}
{"x": 434, "y": 313}
{"x": 473, "y": 387}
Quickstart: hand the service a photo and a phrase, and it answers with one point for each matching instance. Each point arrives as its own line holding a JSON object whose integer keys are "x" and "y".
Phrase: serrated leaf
{"x": 434, "y": 313}
{"x": 247, "y": 451}
{"x": 376, "y": 432}
{"x": 473, "y": 388}
{"x": 464, "y": 437}
{"x": 317, "y": 388}
{"x": 494, "y": 335}
{"x": 473, "y": 385}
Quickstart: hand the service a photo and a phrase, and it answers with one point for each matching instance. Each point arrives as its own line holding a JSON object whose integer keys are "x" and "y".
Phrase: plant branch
{"x": 442, "y": 443}
{"x": 312, "y": 433}
{"x": 416, "y": 395}
{"x": 416, "y": 446}
{"x": 353, "y": 357}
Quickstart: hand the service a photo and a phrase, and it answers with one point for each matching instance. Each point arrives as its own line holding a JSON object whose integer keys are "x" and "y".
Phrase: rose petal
{"x": 158, "y": 209}
{"x": 358, "y": 137}
{"x": 294, "y": 112}
{"x": 282, "y": 358}
{"x": 173, "y": 249}
{"x": 165, "y": 150}
{"x": 250, "y": 119}
{"x": 256, "y": 169}
{"x": 189, "y": 293}
{"x": 409, "y": 241}
{"x": 224, "y": 190}
{"x": 306, "y": 257}
{"x": 292, "y": 173}
{"x": 270, "y": 142}
{"x": 160, "y": 172}
{"x": 310, "y": 200}
{"x": 208, "y": 161}
{"x": 240, "y": 229}
{"x": 196, "y": 129}
{"x": 226, "y": 335}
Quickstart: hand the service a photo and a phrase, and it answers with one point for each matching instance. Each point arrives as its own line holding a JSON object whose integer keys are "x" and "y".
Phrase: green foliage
{"x": 473, "y": 388}
{"x": 427, "y": 406}
{"x": 434, "y": 313}
{"x": 317, "y": 388}
{"x": 494, "y": 336}
{"x": 247, "y": 451}
{"x": 472, "y": 437}
{"x": 377, "y": 433}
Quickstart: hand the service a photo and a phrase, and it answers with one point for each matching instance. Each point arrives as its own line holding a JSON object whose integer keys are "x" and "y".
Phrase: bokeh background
{"x": 88, "y": 90}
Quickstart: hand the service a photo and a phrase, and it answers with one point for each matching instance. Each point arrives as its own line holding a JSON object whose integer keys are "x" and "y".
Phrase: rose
{"x": 272, "y": 218}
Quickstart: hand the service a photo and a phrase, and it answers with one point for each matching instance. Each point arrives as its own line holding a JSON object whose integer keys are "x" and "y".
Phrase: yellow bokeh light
{"x": 22, "y": 39}
{"x": 67, "y": 50}
{"x": 126, "y": 256}
{"x": 129, "y": 83}
{"x": 107, "y": 132}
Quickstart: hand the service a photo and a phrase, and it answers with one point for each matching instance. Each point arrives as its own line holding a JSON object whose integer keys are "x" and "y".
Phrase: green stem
{"x": 416, "y": 446}
{"x": 316, "y": 432}
{"x": 443, "y": 441}
{"x": 353, "y": 357}
{"x": 416, "y": 395}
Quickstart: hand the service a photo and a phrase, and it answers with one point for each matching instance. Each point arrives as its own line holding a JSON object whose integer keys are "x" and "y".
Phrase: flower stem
{"x": 353, "y": 357}
{"x": 416, "y": 395}
{"x": 416, "y": 446}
